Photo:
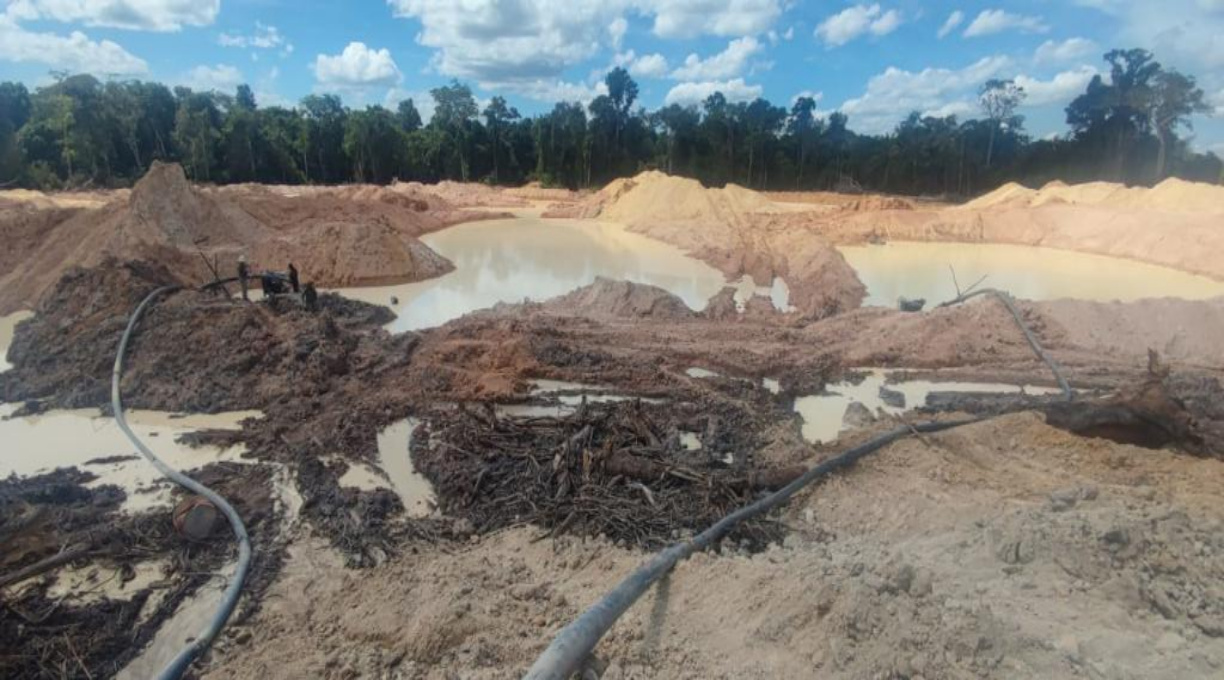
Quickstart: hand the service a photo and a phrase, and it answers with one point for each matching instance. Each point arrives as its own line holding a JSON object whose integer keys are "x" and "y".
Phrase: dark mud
{"x": 48, "y": 517}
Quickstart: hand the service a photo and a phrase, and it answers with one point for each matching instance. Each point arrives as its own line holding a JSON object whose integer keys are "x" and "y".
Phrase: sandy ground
{"x": 1008, "y": 548}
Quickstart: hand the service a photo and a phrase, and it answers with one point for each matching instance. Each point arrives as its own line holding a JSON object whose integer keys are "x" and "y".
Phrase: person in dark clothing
{"x": 244, "y": 275}
{"x": 310, "y": 297}
{"x": 293, "y": 279}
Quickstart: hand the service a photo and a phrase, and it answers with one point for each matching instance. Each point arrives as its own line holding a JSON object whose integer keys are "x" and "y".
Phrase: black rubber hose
{"x": 572, "y": 645}
{"x": 1006, "y": 298}
{"x": 183, "y": 660}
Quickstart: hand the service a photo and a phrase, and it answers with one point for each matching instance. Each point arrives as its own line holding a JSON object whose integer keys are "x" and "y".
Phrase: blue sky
{"x": 874, "y": 61}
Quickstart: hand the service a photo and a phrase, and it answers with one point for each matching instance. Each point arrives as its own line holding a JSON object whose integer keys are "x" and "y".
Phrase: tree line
{"x": 80, "y": 132}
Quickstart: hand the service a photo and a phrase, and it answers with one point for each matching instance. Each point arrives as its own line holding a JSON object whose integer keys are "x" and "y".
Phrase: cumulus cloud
{"x": 695, "y": 93}
{"x": 1060, "y": 89}
{"x": 852, "y": 22}
{"x": 264, "y": 37}
{"x": 644, "y": 66}
{"x": 691, "y": 18}
{"x": 891, "y": 95}
{"x": 726, "y": 64}
{"x": 357, "y": 67}
{"x": 141, "y": 15}
{"x": 1188, "y": 34}
{"x": 617, "y": 30}
{"x": 992, "y": 21}
{"x": 515, "y": 46}
{"x": 954, "y": 20}
{"x": 1052, "y": 51}
{"x": 221, "y": 78}
{"x": 74, "y": 52}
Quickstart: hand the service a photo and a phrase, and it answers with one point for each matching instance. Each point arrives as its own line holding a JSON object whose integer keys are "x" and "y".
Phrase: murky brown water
{"x": 823, "y": 413}
{"x": 533, "y": 258}
{"x": 920, "y": 270}
{"x": 70, "y": 438}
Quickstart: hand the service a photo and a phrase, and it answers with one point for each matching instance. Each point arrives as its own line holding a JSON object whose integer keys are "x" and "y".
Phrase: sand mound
{"x": 1171, "y": 195}
{"x": 335, "y": 235}
{"x": 736, "y": 230}
{"x": 464, "y": 194}
{"x": 345, "y": 254}
{"x": 534, "y": 191}
{"x": 607, "y": 297}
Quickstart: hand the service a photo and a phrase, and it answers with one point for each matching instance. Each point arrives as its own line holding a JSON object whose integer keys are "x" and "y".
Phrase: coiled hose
{"x": 183, "y": 660}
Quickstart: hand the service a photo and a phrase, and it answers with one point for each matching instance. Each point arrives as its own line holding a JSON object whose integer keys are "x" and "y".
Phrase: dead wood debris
{"x": 606, "y": 469}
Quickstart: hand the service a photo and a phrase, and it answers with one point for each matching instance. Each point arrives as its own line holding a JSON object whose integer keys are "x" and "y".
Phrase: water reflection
{"x": 920, "y": 270}
{"x": 532, "y": 258}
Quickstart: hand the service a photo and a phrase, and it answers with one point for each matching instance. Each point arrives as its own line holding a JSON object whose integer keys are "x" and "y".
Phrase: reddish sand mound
{"x": 534, "y": 191}
{"x": 607, "y": 297}
{"x": 347, "y": 254}
{"x": 464, "y": 194}
{"x": 336, "y": 236}
{"x": 736, "y": 230}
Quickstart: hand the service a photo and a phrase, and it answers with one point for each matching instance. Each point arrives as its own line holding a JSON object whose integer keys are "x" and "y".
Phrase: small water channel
{"x": 824, "y": 414}
{"x": 527, "y": 257}
{"x": 921, "y": 270}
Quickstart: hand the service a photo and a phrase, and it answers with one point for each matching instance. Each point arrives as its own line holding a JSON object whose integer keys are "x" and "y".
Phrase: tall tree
{"x": 803, "y": 127}
{"x": 1174, "y": 98}
{"x": 454, "y": 109}
{"x": 407, "y": 116}
{"x": 498, "y": 116}
{"x": 999, "y": 100}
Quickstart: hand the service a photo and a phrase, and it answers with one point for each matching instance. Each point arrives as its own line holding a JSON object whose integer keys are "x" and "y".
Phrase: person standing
{"x": 293, "y": 279}
{"x": 244, "y": 275}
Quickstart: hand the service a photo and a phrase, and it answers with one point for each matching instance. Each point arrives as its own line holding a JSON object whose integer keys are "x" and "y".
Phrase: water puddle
{"x": 920, "y": 270}
{"x": 698, "y": 372}
{"x": 8, "y": 324}
{"x": 393, "y": 453}
{"x": 533, "y": 258}
{"x": 42, "y": 443}
{"x": 824, "y": 414}
{"x": 771, "y": 385}
{"x": 191, "y": 617}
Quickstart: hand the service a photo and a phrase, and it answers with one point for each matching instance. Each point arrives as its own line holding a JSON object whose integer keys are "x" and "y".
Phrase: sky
{"x": 875, "y": 62}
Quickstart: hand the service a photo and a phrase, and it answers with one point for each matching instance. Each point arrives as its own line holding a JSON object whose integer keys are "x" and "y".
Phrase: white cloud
{"x": 852, "y": 22}
{"x": 695, "y": 93}
{"x": 815, "y": 96}
{"x": 649, "y": 66}
{"x": 993, "y": 21}
{"x": 513, "y": 46}
{"x": 421, "y": 100}
{"x": 74, "y": 52}
{"x": 691, "y": 18}
{"x": 264, "y": 37}
{"x": 143, "y": 15}
{"x": 726, "y": 64}
{"x": 1052, "y": 51}
{"x": 562, "y": 91}
{"x": 357, "y": 67}
{"x": 617, "y": 30}
{"x": 221, "y": 78}
{"x": 891, "y": 95}
{"x": 954, "y": 20}
{"x": 1188, "y": 34}
{"x": 1060, "y": 89}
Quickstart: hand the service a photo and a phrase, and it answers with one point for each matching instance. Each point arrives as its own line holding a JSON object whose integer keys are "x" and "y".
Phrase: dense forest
{"x": 80, "y": 132}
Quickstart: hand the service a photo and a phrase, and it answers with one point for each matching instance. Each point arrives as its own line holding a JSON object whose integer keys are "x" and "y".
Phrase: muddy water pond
{"x": 920, "y": 270}
{"x": 528, "y": 257}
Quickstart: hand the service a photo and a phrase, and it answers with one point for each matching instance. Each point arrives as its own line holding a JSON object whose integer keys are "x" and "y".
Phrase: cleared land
{"x": 1042, "y": 542}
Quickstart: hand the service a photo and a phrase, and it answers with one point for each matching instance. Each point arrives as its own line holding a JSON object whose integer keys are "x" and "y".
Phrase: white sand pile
{"x": 1173, "y": 195}
{"x": 736, "y": 230}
